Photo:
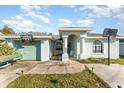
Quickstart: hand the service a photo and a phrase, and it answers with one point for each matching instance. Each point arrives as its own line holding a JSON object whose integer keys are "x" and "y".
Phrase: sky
{"x": 50, "y": 18}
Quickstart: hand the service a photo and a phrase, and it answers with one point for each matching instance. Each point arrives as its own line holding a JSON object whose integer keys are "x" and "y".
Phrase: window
{"x": 97, "y": 46}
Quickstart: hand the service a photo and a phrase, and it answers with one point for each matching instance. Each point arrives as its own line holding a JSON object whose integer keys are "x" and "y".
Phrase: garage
{"x": 32, "y": 45}
{"x": 31, "y": 51}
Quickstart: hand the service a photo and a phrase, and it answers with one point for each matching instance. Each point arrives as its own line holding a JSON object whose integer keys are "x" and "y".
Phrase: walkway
{"x": 113, "y": 74}
{"x": 52, "y": 67}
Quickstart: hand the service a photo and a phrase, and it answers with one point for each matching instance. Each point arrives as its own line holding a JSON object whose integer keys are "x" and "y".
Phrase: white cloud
{"x": 90, "y": 15}
{"x": 33, "y": 11}
{"x": 29, "y": 8}
{"x": 101, "y": 11}
{"x": 77, "y": 23}
{"x": 65, "y": 22}
{"x": 26, "y": 9}
{"x": 70, "y": 6}
{"x": 25, "y": 24}
{"x": 19, "y": 17}
{"x": 118, "y": 23}
{"x": 84, "y": 23}
{"x": 116, "y": 8}
{"x": 29, "y": 19}
{"x": 22, "y": 24}
{"x": 44, "y": 6}
{"x": 120, "y": 17}
{"x": 48, "y": 14}
{"x": 37, "y": 16}
{"x": 97, "y": 11}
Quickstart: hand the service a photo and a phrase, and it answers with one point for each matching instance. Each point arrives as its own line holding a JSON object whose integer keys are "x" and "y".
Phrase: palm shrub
{"x": 6, "y": 50}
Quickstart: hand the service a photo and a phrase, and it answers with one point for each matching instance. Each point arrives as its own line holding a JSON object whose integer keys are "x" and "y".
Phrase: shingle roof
{"x": 33, "y": 33}
{"x": 98, "y": 35}
{"x": 88, "y": 34}
{"x": 94, "y": 34}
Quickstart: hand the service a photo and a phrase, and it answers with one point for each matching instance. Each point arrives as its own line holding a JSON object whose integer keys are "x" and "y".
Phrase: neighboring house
{"x": 121, "y": 47}
{"x": 1, "y": 39}
{"x": 72, "y": 42}
{"x": 1, "y": 34}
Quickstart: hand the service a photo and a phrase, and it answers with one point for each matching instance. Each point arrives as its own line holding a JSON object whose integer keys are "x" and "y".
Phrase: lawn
{"x": 84, "y": 79}
{"x": 102, "y": 60}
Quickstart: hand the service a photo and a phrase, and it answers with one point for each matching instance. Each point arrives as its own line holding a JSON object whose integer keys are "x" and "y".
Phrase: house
{"x": 121, "y": 47}
{"x": 1, "y": 39}
{"x": 72, "y": 42}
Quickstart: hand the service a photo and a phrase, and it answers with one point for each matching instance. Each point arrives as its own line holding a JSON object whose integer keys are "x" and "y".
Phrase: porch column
{"x": 82, "y": 42}
{"x": 65, "y": 45}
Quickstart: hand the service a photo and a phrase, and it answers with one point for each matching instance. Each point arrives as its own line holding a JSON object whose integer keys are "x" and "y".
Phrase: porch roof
{"x": 75, "y": 29}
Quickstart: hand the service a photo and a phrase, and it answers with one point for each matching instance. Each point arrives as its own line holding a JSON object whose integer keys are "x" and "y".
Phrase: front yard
{"x": 84, "y": 79}
{"x": 93, "y": 60}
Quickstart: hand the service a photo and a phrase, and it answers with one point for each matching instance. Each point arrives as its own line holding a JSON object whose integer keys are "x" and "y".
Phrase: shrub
{"x": 91, "y": 59}
{"x": 88, "y": 60}
{"x": 6, "y": 50}
{"x": 102, "y": 60}
{"x": 82, "y": 61}
{"x": 121, "y": 56}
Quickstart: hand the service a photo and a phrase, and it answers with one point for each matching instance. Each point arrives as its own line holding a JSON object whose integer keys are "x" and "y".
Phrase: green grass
{"x": 84, "y": 79}
{"x": 102, "y": 60}
{"x": 120, "y": 61}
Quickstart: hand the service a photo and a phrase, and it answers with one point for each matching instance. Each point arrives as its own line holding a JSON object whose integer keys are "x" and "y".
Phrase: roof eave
{"x": 104, "y": 37}
{"x": 61, "y": 29}
{"x": 18, "y": 37}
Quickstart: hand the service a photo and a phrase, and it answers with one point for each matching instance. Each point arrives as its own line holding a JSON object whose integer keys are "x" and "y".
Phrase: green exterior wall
{"x": 29, "y": 52}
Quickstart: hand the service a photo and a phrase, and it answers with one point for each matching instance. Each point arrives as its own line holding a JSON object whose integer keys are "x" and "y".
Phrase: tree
{"x": 7, "y": 30}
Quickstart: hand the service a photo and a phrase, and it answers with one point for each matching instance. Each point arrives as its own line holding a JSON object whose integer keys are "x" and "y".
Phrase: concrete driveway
{"x": 113, "y": 74}
{"x": 11, "y": 72}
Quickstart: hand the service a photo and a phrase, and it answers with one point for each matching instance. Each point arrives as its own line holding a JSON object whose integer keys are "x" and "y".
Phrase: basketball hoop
{"x": 111, "y": 35}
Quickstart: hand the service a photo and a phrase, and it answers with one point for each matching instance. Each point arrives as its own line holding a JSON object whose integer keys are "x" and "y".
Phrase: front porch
{"x": 69, "y": 47}
{"x": 73, "y": 42}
